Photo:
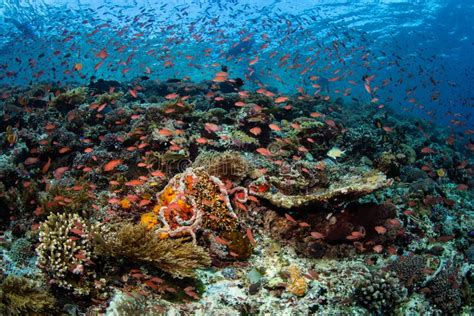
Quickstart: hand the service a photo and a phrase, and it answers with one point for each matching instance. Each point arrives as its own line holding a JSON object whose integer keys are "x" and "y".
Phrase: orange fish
{"x": 158, "y": 173}
{"x": 133, "y": 183}
{"x": 380, "y": 230}
{"x": 64, "y": 150}
{"x": 171, "y": 96}
{"x": 427, "y": 150}
{"x": 317, "y": 235}
{"x": 78, "y": 67}
{"x": 253, "y": 61}
{"x": 280, "y": 100}
{"x": 274, "y": 127}
{"x": 210, "y": 127}
{"x": 165, "y": 132}
{"x": 315, "y": 114}
{"x": 102, "y": 54}
{"x": 256, "y": 131}
{"x": 111, "y": 165}
{"x": 133, "y": 93}
{"x": 264, "y": 151}
{"x": 202, "y": 140}
{"x": 46, "y": 166}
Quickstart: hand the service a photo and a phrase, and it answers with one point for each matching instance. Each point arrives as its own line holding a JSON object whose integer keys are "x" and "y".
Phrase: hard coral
{"x": 348, "y": 187}
{"x": 409, "y": 269}
{"x": 68, "y": 100}
{"x": 229, "y": 165}
{"x": 177, "y": 257}
{"x": 444, "y": 290}
{"x": 379, "y": 292}
{"x": 64, "y": 251}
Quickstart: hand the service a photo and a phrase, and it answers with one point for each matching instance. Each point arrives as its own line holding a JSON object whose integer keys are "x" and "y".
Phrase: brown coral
{"x": 229, "y": 165}
{"x": 177, "y": 257}
{"x": 20, "y": 296}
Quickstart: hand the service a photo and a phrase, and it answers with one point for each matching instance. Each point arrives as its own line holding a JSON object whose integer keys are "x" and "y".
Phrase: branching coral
{"x": 20, "y": 296}
{"x": 177, "y": 257}
{"x": 64, "y": 251}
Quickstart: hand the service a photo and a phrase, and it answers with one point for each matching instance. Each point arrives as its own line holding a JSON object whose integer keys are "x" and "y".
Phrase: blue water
{"x": 417, "y": 55}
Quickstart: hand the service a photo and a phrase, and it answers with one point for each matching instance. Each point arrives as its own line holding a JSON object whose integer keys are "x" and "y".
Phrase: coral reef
{"x": 409, "y": 269}
{"x": 193, "y": 199}
{"x": 177, "y": 197}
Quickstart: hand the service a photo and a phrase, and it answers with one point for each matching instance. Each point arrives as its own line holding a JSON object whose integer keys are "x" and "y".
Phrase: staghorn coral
{"x": 347, "y": 187}
{"x": 64, "y": 252}
{"x": 178, "y": 257}
{"x": 379, "y": 292}
{"x": 20, "y": 296}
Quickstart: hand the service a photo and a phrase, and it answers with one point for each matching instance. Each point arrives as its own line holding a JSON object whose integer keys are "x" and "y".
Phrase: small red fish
{"x": 427, "y": 150}
{"x": 280, "y": 100}
{"x": 274, "y": 127}
{"x": 133, "y": 93}
{"x": 290, "y": 218}
{"x": 317, "y": 235}
{"x": 264, "y": 151}
{"x": 211, "y": 128}
{"x": 256, "y": 131}
{"x": 111, "y": 165}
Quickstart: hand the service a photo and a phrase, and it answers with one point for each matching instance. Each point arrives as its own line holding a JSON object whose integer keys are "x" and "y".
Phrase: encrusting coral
{"x": 297, "y": 283}
{"x": 20, "y": 296}
{"x": 178, "y": 257}
{"x": 64, "y": 252}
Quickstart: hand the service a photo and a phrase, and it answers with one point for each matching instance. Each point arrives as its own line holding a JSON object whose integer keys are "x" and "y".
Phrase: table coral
{"x": 348, "y": 187}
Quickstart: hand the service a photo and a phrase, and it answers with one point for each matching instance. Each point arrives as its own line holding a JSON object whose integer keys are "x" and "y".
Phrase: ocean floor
{"x": 179, "y": 198}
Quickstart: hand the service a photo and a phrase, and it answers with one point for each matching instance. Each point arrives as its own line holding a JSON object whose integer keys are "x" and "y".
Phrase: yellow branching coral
{"x": 178, "y": 257}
